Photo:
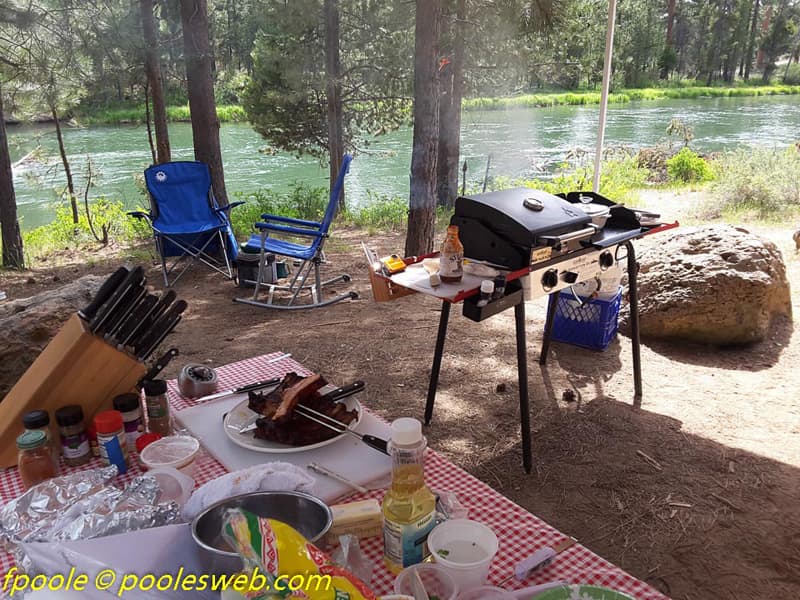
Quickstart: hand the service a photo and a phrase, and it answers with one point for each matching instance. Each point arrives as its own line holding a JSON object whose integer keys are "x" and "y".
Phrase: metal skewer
{"x": 370, "y": 440}
{"x": 334, "y": 475}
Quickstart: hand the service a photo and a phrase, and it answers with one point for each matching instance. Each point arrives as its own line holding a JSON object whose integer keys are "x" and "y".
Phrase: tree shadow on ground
{"x": 692, "y": 517}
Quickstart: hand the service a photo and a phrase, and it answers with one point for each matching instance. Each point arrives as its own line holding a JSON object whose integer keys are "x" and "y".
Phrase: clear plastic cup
{"x": 435, "y": 579}
{"x": 465, "y": 549}
{"x": 486, "y": 592}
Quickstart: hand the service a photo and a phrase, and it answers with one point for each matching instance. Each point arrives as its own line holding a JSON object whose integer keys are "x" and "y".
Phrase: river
{"x": 521, "y": 142}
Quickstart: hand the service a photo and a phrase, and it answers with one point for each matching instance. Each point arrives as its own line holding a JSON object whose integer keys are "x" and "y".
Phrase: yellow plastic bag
{"x": 291, "y": 566}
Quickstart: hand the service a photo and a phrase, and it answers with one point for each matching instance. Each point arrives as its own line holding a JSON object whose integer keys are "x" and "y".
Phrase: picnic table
{"x": 520, "y": 533}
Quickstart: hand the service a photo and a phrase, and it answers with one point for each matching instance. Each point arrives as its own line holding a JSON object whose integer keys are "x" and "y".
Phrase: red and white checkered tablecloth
{"x": 520, "y": 533}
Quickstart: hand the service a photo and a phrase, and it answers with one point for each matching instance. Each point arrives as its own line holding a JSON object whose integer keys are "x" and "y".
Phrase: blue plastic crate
{"x": 592, "y": 325}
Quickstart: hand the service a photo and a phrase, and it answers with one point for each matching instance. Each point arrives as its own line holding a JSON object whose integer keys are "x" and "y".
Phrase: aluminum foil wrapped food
{"x": 83, "y": 505}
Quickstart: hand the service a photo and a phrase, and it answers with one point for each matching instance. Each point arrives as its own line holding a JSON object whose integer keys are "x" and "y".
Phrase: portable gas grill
{"x": 548, "y": 243}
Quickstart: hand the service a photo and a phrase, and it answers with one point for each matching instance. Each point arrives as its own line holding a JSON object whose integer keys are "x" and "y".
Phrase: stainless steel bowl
{"x": 307, "y": 514}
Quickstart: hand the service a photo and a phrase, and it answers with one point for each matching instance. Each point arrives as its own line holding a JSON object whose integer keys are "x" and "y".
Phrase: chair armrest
{"x": 291, "y": 230}
{"x": 138, "y": 214}
{"x": 230, "y": 206}
{"x": 291, "y": 221}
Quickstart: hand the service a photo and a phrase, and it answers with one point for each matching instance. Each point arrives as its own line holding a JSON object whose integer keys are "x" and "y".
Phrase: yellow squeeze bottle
{"x": 408, "y": 507}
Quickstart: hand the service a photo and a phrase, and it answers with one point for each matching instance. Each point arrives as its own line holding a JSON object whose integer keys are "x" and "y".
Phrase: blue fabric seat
{"x": 310, "y": 255}
{"x": 188, "y": 225}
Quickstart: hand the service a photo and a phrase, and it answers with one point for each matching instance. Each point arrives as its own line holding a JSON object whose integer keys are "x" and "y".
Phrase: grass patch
{"x": 628, "y": 95}
{"x": 227, "y": 113}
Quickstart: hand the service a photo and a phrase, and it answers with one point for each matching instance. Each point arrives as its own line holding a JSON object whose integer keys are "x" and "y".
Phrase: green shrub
{"x": 761, "y": 180}
{"x": 301, "y": 202}
{"x": 62, "y": 233}
{"x": 792, "y": 76}
{"x": 686, "y": 166}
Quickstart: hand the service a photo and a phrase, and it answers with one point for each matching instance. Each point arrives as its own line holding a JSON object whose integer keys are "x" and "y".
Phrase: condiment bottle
{"x": 155, "y": 400}
{"x": 131, "y": 408}
{"x": 409, "y": 507}
{"x": 39, "y": 420}
{"x": 499, "y": 287}
{"x": 487, "y": 287}
{"x": 74, "y": 441}
{"x": 35, "y": 460}
{"x": 111, "y": 439}
{"x": 451, "y": 257}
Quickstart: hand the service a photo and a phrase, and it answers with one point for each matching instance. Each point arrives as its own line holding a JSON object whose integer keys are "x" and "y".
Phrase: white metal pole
{"x": 601, "y": 130}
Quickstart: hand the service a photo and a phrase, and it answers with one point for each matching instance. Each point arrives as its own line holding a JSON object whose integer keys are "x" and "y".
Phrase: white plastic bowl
{"x": 176, "y": 451}
{"x": 465, "y": 549}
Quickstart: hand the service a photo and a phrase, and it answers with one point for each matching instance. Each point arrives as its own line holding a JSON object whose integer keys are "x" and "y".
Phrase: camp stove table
{"x": 548, "y": 243}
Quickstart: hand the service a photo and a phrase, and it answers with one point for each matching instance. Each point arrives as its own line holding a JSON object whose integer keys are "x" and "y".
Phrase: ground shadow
{"x": 692, "y": 517}
{"x": 751, "y": 357}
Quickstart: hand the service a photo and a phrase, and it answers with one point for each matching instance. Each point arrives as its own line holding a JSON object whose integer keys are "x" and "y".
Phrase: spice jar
{"x": 133, "y": 423}
{"x": 39, "y": 420}
{"x": 111, "y": 439}
{"x": 451, "y": 257}
{"x": 34, "y": 459}
{"x": 74, "y": 441}
{"x": 155, "y": 400}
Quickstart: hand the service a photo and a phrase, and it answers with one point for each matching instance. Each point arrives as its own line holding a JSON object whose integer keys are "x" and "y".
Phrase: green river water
{"x": 522, "y": 142}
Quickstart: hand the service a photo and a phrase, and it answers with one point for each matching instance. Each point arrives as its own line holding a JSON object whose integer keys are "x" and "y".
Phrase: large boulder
{"x": 717, "y": 284}
{"x": 28, "y": 324}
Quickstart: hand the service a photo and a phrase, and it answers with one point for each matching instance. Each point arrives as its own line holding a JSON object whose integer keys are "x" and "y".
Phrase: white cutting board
{"x": 347, "y": 456}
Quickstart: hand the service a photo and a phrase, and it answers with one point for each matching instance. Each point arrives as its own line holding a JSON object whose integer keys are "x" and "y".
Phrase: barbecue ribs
{"x": 281, "y": 423}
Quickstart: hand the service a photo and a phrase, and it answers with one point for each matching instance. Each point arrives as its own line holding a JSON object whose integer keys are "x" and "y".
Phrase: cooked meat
{"x": 291, "y": 427}
{"x": 302, "y": 390}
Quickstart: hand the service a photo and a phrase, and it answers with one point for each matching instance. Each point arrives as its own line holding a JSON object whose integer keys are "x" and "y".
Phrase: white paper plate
{"x": 241, "y": 415}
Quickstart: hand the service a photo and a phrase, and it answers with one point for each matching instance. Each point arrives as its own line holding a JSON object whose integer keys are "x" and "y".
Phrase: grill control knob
{"x": 549, "y": 280}
{"x": 606, "y": 260}
{"x": 569, "y": 277}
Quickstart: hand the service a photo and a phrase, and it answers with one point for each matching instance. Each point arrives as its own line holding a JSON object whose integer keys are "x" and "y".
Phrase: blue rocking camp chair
{"x": 309, "y": 255}
{"x": 188, "y": 225}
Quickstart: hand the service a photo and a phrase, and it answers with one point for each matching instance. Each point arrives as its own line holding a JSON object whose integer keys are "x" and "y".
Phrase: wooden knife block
{"x": 76, "y": 367}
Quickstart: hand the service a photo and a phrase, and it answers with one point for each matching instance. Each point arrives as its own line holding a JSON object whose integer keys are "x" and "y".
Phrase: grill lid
{"x": 506, "y": 213}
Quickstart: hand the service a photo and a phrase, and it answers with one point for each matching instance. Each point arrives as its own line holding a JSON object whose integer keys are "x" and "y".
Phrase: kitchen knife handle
{"x": 346, "y": 390}
{"x": 258, "y": 385}
{"x": 104, "y": 293}
{"x": 376, "y": 443}
{"x": 135, "y": 277}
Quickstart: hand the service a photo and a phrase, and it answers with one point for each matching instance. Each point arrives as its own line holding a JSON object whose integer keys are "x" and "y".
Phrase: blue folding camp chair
{"x": 188, "y": 225}
{"x": 309, "y": 255}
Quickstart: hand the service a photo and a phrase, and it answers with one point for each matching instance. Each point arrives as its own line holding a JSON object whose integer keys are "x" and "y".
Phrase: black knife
{"x": 158, "y": 366}
{"x": 124, "y": 309}
{"x": 135, "y": 319}
{"x": 134, "y": 278}
{"x": 148, "y": 321}
{"x": 345, "y": 391}
{"x": 104, "y": 293}
{"x": 160, "y": 329}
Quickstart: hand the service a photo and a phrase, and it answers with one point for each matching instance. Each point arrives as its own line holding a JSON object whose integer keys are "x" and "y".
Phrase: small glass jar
{"x": 111, "y": 439}
{"x": 74, "y": 441}
{"x": 155, "y": 400}
{"x": 131, "y": 408}
{"x": 34, "y": 459}
{"x": 39, "y": 420}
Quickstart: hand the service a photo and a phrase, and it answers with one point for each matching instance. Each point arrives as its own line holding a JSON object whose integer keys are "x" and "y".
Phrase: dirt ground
{"x": 715, "y": 516}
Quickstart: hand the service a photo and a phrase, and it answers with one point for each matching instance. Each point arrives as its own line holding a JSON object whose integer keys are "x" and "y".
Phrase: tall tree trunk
{"x": 333, "y": 91}
{"x": 9, "y": 223}
{"x": 422, "y": 197}
{"x": 200, "y": 84}
{"x": 751, "y": 42}
{"x": 670, "y": 22}
{"x": 452, "y": 91}
{"x": 73, "y": 201}
{"x": 152, "y": 66}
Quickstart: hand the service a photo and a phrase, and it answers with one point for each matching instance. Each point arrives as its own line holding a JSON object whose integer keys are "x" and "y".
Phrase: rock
{"x": 28, "y": 324}
{"x": 717, "y": 285}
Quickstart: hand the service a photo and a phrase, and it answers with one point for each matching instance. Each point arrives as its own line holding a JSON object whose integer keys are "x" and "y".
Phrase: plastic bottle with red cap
{"x": 111, "y": 439}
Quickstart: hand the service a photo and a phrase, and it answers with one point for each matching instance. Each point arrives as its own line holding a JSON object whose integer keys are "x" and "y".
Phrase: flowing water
{"x": 521, "y": 142}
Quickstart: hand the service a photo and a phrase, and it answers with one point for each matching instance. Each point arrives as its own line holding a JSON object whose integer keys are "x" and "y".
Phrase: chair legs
{"x": 297, "y": 285}
{"x": 192, "y": 254}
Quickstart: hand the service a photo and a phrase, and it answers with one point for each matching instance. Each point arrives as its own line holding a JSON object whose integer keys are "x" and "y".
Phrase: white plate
{"x": 241, "y": 415}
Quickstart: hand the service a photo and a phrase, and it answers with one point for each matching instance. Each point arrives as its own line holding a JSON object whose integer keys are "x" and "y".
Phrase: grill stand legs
{"x": 522, "y": 370}
{"x": 633, "y": 300}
